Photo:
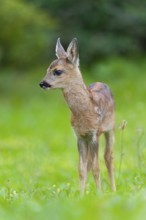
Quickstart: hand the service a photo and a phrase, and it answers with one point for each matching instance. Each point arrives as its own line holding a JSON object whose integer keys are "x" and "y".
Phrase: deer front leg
{"x": 95, "y": 162}
{"x": 83, "y": 162}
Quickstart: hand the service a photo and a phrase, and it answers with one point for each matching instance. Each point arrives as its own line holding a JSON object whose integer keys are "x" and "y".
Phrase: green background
{"x": 38, "y": 152}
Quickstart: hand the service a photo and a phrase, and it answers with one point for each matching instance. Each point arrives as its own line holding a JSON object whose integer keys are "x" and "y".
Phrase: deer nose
{"x": 44, "y": 85}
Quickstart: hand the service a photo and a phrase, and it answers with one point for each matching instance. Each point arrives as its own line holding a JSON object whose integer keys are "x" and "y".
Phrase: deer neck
{"x": 77, "y": 96}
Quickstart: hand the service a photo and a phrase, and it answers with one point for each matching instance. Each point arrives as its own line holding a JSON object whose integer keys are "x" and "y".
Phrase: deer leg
{"x": 83, "y": 163}
{"x": 108, "y": 156}
{"x": 95, "y": 163}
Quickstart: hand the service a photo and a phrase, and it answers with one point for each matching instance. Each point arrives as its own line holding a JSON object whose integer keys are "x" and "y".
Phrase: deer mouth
{"x": 45, "y": 85}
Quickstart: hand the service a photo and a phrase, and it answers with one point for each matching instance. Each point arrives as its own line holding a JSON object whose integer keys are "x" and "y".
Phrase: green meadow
{"x": 38, "y": 152}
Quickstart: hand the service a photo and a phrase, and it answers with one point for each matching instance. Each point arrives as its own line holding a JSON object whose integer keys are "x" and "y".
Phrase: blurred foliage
{"x": 104, "y": 28}
{"x": 25, "y": 33}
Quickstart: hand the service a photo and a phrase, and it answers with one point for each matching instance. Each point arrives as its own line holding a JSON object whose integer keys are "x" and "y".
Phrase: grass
{"x": 38, "y": 153}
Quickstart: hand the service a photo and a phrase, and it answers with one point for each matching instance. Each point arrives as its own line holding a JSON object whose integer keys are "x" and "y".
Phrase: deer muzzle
{"x": 44, "y": 85}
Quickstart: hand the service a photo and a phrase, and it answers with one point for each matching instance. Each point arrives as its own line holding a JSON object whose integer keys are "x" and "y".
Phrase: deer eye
{"x": 57, "y": 72}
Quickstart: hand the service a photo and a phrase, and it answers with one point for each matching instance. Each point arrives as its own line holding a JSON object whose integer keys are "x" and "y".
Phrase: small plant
{"x": 122, "y": 128}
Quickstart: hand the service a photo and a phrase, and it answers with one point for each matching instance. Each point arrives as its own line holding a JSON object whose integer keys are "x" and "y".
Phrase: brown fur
{"x": 92, "y": 112}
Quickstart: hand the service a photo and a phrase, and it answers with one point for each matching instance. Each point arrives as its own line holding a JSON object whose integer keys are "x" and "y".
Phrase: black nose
{"x": 44, "y": 85}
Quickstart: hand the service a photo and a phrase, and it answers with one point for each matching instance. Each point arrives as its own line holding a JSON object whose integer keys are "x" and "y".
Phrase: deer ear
{"x": 60, "y": 52}
{"x": 72, "y": 52}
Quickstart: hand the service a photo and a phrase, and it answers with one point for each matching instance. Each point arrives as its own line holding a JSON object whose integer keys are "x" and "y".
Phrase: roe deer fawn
{"x": 92, "y": 111}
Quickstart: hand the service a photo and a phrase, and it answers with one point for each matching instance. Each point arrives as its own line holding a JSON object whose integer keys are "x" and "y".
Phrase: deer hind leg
{"x": 95, "y": 163}
{"x": 83, "y": 163}
{"x": 108, "y": 156}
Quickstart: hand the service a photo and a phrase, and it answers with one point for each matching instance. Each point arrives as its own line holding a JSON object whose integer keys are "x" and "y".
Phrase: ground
{"x": 38, "y": 152}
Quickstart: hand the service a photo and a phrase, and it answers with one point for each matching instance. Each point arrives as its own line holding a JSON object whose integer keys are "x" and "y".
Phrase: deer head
{"x": 62, "y": 70}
